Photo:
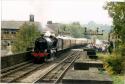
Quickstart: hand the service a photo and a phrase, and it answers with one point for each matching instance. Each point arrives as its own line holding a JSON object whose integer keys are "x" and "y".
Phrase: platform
{"x": 81, "y": 64}
{"x": 91, "y": 53}
{"x": 86, "y": 77}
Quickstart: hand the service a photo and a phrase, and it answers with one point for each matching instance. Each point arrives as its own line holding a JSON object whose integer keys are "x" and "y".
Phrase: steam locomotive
{"x": 47, "y": 46}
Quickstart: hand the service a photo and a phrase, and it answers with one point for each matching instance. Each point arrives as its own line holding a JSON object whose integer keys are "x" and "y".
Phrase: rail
{"x": 60, "y": 68}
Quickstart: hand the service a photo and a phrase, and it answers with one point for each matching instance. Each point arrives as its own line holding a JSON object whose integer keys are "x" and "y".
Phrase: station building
{"x": 56, "y": 28}
{"x": 53, "y": 28}
{"x": 10, "y": 28}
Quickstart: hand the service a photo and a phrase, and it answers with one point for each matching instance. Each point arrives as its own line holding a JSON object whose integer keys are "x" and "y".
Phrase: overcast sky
{"x": 60, "y": 11}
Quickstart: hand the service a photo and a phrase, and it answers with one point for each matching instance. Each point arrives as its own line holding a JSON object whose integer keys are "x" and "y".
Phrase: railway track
{"x": 55, "y": 74}
{"x": 18, "y": 73}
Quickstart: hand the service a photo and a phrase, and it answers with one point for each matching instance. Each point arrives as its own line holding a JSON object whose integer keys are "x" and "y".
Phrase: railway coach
{"x": 47, "y": 46}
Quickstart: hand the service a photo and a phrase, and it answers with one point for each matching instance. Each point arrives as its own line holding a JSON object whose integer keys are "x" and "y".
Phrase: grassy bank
{"x": 117, "y": 78}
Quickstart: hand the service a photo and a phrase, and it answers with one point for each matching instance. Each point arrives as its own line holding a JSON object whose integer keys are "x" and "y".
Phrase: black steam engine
{"x": 45, "y": 48}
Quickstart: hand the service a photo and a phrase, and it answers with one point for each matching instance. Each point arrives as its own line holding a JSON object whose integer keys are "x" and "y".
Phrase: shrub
{"x": 115, "y": 63}
{"x": 25, "y": 37}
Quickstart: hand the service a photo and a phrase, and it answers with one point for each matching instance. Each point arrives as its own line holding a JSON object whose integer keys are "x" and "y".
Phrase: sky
{"x": 58, "y": 11}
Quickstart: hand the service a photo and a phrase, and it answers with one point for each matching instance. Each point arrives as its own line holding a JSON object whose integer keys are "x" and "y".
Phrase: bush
{"x": 115, "y": 63}
{"x": 118, "y": 79}
{"x": 25, "y": 37}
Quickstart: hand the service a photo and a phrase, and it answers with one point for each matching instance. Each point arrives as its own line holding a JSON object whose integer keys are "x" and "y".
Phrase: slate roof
{"x": 16, "y": 24}
{"x": 48, "y": 29}
{"x": 52, "y": 27}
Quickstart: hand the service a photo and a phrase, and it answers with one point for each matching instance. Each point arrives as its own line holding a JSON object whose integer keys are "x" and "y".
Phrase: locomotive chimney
{"x": 31, "y": 18}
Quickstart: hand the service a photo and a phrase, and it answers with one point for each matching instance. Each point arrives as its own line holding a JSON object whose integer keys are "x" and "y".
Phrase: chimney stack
{"x": 31, "y": 18}
{"x": 49, "y": 22}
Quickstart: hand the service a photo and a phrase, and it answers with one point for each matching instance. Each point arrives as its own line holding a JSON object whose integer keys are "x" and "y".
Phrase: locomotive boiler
{"x": 45, "y": 48}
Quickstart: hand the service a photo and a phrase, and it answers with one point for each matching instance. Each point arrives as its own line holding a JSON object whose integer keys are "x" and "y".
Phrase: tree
{"x": 116, "y": 10}
{"x": 24, "y": 38}
{"x": 75, "y": 29}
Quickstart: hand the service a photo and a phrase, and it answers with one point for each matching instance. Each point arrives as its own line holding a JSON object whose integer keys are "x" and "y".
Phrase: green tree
{"x": 116, "y": 10}
{"x": 75, "y": 29}
{"x": 25, "y": 37}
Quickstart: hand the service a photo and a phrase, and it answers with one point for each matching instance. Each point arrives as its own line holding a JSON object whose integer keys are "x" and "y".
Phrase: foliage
{"x": 113, "y": 64}
{"x": 74, "y": 29}
{"x": 117, "y": 11}
{"x": 117, "y": 79}
{"x": 24, "y": 38}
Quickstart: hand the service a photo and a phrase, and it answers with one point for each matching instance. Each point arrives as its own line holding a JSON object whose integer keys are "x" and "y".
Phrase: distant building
{"x": 10, "y": 28}
{"x": 52, "y": 27}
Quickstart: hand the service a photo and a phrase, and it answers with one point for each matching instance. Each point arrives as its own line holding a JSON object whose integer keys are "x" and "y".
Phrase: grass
{"x": 117, "y": 79}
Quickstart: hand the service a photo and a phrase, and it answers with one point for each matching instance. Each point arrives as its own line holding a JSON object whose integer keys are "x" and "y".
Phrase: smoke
{"x": 47, "y": 33}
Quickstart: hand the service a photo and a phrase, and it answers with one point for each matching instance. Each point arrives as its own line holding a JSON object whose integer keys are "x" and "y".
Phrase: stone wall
{"x": 10, "y": 60}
